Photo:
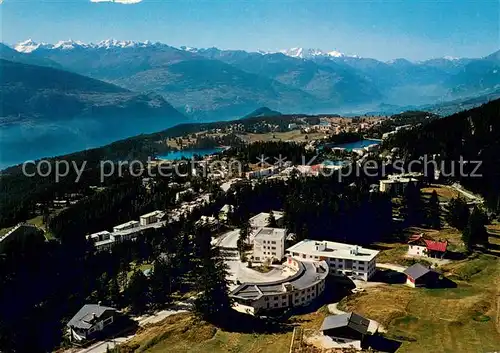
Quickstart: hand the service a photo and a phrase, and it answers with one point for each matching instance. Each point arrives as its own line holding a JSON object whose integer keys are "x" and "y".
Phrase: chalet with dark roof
{"x": 420, "y": 276}
{"x": 90, "y": 321}
{"x": 348, "y": 329}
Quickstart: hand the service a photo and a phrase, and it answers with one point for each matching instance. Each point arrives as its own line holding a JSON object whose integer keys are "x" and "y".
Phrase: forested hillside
{"x": 473, "y": 135}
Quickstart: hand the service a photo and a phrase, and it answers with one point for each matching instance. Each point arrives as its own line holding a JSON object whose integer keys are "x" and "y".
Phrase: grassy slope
{"x": 452, "y": 320}
{"x": 183, "y": 333}
{"x": 440, "y": 320}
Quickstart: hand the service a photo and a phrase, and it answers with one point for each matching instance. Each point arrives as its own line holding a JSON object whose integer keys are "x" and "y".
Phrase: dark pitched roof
{"x": 417, "y": 271}
{"x": 86, "y": 316}
{"x": 352, "y": 320}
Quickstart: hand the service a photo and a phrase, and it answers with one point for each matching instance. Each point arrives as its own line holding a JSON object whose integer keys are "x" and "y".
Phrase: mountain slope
{"x": 46, "y": 111}
{"x": 305, "y": 80}
{"x": 34, "y": 91}
{"x": 206, "y": 89}
{"x": 333, "y": 85}
{"x": 10, "y": 54}
{"x": 261, "y": 112}
{"x": 472, "y": 136}
{"x": 478, "y": 76}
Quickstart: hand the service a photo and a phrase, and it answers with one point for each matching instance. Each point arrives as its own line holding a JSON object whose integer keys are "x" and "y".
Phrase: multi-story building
{"x": 125, "y": 226}
{"x": 151, "y": 217}
{"x": 396, "y": 184}
{"x": 306, "y": 283}
{"x": 262, "y": 219}
{"x": 269, "y": 243}
{"x": 343, "y": 259}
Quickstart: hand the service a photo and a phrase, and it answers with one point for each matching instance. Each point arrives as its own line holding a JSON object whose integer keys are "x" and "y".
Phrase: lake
{"x": 39, "y": 139}
{"x": 190, "y": 153}
{"x": 352, "y": 145}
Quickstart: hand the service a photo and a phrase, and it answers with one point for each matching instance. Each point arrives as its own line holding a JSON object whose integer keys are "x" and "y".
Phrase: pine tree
{"x": 271, "y": 220}
{"x": 213, "y": 303}
{"x": 137, "y": 291}
{"x": 412, "y": 210}
{"x": 457, "y": 214}
{"x": 475, "y": 232}
{"x": 244, "y": 235}
{"x": 160, "y": 283}
{"x": 434, "y": 211}
{"x": 114, "y": 296}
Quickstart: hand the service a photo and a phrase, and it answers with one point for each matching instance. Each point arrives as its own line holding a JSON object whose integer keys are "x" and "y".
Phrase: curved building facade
{"x": 305, "y": 284}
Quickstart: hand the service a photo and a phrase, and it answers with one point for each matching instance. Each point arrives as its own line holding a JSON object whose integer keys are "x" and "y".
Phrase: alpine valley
{"x": 68, "y": 96}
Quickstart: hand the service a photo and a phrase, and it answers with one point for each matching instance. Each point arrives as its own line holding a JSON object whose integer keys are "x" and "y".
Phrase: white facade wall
{"x": 284, "y": 300}
{"x": 417, "y": 250}
{"x": 125, "y": 226}
{"x": 268, "y": 248}
{"x": 363, "y": 270}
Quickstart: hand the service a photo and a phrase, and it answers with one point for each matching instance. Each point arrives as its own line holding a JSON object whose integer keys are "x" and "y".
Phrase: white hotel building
{"x": 305, "y": 283}
{"x": 269, "y": 243}
{"x": 343, "y": 259}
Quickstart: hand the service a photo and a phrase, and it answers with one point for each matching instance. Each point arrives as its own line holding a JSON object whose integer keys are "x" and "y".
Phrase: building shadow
{"x": 441, "y": 283}
{"x": 455, "y": 255}
{"x": 235, "y": 321}
{"x": 379, "y": 343}
{"x": 388, "y": 276}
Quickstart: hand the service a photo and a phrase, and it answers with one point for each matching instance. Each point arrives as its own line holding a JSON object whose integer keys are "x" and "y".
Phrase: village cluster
{"x": 297, "y": 273}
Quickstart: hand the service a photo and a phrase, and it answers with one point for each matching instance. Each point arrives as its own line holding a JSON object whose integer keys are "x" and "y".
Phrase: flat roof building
{"x": 269, "y": 243}
{"x": 344, "y": 259}
{"x": 262, "y": 219}
{"x": 151, "y": 217}
{"x": 305, "y": 284}
{"x": 125, "y": 226}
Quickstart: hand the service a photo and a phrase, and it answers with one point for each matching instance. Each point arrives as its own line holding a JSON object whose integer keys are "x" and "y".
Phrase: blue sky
{"x": 413, "y": 29}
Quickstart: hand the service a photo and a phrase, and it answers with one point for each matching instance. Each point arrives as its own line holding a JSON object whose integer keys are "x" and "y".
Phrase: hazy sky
{"x": 414, "y": 29}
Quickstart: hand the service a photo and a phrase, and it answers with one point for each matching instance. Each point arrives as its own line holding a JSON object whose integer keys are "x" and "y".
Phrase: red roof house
{"x": 419, "y": 245}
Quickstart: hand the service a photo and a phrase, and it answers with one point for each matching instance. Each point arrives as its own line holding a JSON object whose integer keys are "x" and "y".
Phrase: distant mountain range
{"x": 215, "y": 84}
{"x": 71, "y": 95}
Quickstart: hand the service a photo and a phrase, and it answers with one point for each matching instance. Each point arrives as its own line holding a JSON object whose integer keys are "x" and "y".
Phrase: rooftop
{"x": 309, "y": 273}
{"x": 417, "y": 271}
{"x": 152, "y": 214}
{"x": 261, "y": 219}
{"x": 333, "y": 249}
{"x": 436, "y": 245}
{"x": 104, "y": 242}
{"x": 352, "y": 320}
{"x": 86, "y": 316}
{"x": 266, "y": 233}
{"x": 127, "y": 224}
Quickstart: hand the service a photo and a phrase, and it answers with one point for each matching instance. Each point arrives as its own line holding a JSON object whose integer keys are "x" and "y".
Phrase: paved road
{"x": 101, "y": 346}
{"x": 394, "y": 267}
{"x": 228, "y": 240}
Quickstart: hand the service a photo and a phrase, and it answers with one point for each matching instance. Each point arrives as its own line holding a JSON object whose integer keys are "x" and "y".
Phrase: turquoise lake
{"x": 352, "y": 145}
{"x": 190, "y": 153}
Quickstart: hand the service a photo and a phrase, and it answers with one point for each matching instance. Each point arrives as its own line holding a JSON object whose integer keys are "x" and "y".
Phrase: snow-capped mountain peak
{"x": 29, "y": 45}
{"x": 69, "y": 44}
{"x": 305, "y": 53}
